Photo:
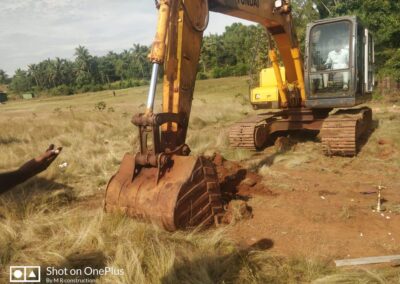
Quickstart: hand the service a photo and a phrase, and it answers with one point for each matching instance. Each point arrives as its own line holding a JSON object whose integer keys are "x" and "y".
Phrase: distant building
{"x": 3, "y": 97}
{"x": 28, "y": 96}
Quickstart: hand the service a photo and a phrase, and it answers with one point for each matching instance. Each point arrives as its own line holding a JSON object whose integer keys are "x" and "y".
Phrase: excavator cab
{"x": 338, "y": 63}
{"x": 338, "y": 67}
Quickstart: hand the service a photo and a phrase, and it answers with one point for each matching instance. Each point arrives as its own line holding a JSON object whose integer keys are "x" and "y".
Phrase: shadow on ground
{"x": 230, "y": 186}
{"x": 39, "y": 193}
{"x": 11, "y": 140}
{"x": 87, "y": 263}
{"x": 223, "y": 269}
{"x": 364, "y": 138}
{"x": 42, "y": 184}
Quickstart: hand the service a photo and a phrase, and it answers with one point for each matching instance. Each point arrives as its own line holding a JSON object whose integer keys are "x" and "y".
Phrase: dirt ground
{"x": 318, "y": 206}
{"x": 330, "y": 214}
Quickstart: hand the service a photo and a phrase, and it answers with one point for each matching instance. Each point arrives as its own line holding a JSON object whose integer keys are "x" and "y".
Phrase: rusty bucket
{"x": 187, "y": 195}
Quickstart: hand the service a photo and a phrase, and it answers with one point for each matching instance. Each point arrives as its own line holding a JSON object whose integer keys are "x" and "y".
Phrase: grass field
{"x": 56, "y": 219}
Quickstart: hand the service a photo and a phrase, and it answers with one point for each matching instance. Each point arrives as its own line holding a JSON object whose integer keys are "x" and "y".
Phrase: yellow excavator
{"x": 162, "y": 183}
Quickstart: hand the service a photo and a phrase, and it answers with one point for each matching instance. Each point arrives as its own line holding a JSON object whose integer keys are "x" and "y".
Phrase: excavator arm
{"x": 177, "y": 45}
{"x": 162, "y": 182}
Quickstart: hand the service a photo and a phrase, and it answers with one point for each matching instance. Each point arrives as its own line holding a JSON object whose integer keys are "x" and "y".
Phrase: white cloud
{"x": 33, "y": 30}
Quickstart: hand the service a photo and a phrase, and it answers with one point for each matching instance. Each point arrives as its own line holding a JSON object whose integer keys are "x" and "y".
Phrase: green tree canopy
{"x": 240, "y": 50}
{"x": 4, "y": 77}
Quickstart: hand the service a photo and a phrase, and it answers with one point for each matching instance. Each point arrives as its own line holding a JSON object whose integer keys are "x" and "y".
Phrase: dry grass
{"x": 57, "y": 220}
{"x": 51, "y": 231}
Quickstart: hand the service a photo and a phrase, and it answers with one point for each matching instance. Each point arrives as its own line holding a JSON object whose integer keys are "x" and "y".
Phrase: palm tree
{"x": 139, "y": 59}
{"x": 58, "y": 64}
{"x": 3, "y": 77}
{"x": 82, "y": 61}
{"x": 67, "y": 72}
{"x": 32, "y": 71}
{"x": 36, "y": 72}
{"x": 83, "y": 58}
{"x": 42, "y": 74}
{"x": 50, "y": 72}
{"x": 20, "y": 81}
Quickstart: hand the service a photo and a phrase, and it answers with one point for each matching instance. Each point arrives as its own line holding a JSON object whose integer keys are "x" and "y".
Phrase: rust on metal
{"x": 341, "y": 133}
{"x": 254, "y": 132}
{"x": 246, "y": 134}
{"x": 188, "y": 194}
{"x": 164, "y": 185}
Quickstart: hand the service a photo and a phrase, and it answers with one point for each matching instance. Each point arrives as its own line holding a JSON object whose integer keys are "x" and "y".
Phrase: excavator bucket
{"x": 162, "y": 183}
{"x": 185, "y": 195}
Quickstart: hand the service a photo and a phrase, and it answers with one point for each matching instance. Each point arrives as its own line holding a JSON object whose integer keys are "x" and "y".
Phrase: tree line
{"x": 85, "y": 73}
{"x": 240, "y": 50}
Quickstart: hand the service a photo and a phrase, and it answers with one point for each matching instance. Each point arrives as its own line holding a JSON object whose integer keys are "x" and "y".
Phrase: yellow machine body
{"x": 267, "y": 95}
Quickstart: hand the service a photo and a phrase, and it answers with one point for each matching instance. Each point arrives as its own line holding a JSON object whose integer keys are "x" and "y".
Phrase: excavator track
{"x": 251, "y": 133}
{"x": 241, "y": 135}
{"x": 341, "y": 132}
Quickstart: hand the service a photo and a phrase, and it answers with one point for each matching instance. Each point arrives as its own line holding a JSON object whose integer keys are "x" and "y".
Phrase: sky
{"x": 34, "y": 30}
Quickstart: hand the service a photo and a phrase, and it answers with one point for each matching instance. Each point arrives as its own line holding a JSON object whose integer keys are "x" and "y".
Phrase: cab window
{"x": 330, "y": 52}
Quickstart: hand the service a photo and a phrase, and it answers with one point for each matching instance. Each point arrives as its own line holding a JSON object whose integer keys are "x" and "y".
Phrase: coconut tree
{"x": 82, "y": 64}
{"x": 20, "y": 81}
{"x": 140, "y": 61}
{"x": 3, "y": 77}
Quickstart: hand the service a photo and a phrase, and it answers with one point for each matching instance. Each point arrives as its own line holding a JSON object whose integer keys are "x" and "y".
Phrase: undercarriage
{"x": 340, "y": 132}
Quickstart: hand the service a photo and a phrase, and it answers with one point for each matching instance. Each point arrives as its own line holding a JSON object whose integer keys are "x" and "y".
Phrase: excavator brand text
{"x": 251, "y": 3}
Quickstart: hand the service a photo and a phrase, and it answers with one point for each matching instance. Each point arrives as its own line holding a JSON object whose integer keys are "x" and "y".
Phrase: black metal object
{"x": 335, "y": 102}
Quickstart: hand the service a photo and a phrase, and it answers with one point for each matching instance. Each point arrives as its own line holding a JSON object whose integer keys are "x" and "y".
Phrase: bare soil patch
{"x": 327, "y": 213}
